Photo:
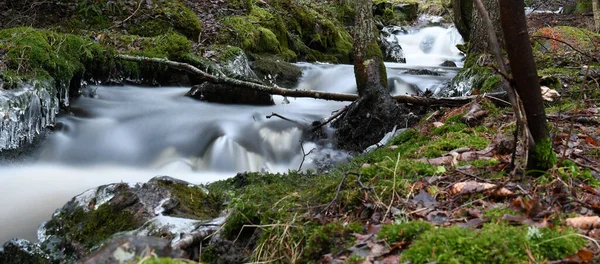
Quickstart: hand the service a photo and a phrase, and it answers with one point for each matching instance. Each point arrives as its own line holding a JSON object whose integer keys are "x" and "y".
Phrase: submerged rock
{"x": 229, "y": 94}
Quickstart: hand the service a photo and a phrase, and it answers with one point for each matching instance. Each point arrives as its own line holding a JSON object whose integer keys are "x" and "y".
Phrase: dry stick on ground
{"x": 513, "y": 97}
{"x": 416, "y": 100}
{"x": 337, "y": 191}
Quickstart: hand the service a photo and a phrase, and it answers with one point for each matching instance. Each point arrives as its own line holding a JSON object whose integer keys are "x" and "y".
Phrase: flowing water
{"x": 131, "y": 134}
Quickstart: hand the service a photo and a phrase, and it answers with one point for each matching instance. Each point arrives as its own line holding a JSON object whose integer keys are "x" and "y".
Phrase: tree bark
{"x": 463, "y": 17}
{"x": 596, "y": 11}
{"x": 479, "y": 40}
{"x": 375, "y": 113}
{"x": 371, "y": 76}
{"x": 518, "y": 47}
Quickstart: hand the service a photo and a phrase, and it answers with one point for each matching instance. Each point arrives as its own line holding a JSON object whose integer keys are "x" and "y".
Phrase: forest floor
{"x": 446, "y": 190}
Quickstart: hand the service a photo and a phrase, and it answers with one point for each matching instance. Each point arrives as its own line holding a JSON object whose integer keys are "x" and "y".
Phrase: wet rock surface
{"x": 390, "y": 47}
{"x": 20, "y": 251}
{"x": 280, "y": 73}
{"x": 129, "y": 249}
{"x": 164, "y": 207}
{"x": 229, "y": 94}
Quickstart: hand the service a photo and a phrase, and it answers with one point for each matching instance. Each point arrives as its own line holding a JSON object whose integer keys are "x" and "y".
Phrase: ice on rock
{"x": 25, "y": 112}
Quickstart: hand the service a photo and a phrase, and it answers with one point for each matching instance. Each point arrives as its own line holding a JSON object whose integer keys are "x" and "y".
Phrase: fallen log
{"x": 409, "y": 99}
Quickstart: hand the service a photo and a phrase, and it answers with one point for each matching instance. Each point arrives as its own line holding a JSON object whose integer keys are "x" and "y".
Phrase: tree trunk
{"x": 463, "y": 17}
{"x": 596, "y": 10}
{"x": 479, "y": 40}
{"x": 518, "y": 47}
{"x": 375, "y": 112}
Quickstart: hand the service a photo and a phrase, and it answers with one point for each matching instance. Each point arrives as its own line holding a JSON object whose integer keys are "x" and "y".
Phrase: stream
{"x": 131, "y": 134}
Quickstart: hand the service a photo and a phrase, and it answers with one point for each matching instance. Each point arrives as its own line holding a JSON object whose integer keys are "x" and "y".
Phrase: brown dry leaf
{"x": 590, "y": 140}
{"x": 475, "y": 187}
{"x": 584, "y": 222}
{"x": 531, "y": 207}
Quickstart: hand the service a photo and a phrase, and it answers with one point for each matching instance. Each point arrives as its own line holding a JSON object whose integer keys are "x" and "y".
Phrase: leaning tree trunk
{"x": 463, "y": 17}
{"x": 479, "y": 40}
{"x": 518, "y": 47}
{"x": 375, "y": 112}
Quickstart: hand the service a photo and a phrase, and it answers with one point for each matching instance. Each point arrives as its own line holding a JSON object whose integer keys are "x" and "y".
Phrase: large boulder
{"x": 229, "y": 94}
{"x": 164, "y": 207}
{"x": 390, "y": 47}
{"x": 280, "y": 73}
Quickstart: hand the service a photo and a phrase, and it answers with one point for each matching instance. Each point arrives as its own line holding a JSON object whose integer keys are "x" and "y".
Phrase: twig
{"x": 337, "y": 192}
{"x": 331, "y": 118}
{"x": 304, "y": 154}
{"x": 129, "y": 17}
{"x": 285, "y": 118}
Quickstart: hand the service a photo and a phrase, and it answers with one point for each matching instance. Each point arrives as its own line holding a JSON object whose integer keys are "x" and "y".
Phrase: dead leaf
{"x": 584, "y": 222}
{"x": 549, "y": 94}
{"x": 476, "y": 187}
{"x": 438, "y": 124}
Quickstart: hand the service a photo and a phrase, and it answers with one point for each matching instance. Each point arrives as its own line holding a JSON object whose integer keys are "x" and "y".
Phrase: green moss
{"x": 330, "y": 238}
{"x": 543, "y": 155}
{"x": 194, "y": 202}
{"x": 299, "y": 29}
{"x": 41, "y": 54}
{"x": 569, "y": 170}
{"x": 491, "y": 84}
{"x": 91, "y": 228}
{"x": 165, "y": 16}
{"x": 404, "y": 232}
{"x": 459, "y": 245}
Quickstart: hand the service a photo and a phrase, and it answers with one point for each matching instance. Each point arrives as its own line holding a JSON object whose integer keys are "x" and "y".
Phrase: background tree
{"x": 471, "y": 24}
{"x": 375, "y": 112}
{"x": 524, "y": 72}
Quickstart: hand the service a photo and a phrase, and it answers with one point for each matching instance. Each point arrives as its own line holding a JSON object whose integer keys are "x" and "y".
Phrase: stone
{"x": 409, "y": 11}
{"x": 448, "y": 64}
{"x": 130, "y": 249}
{"x": 390, "y": 47}
{"x": 21, "y": 251}
{"x": 163, "y": 207}
{"x": 276, "y": 72}
{"x": 229, "y": 94}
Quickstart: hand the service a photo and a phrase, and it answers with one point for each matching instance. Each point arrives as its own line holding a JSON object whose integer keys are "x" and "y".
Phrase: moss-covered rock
{"x": 97, "y": 214}
{"x": 271, "y": 70}
{"x": 144, "y": 19}
{"x": 290, "y": 29}
{"x": 46, "y": 55}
